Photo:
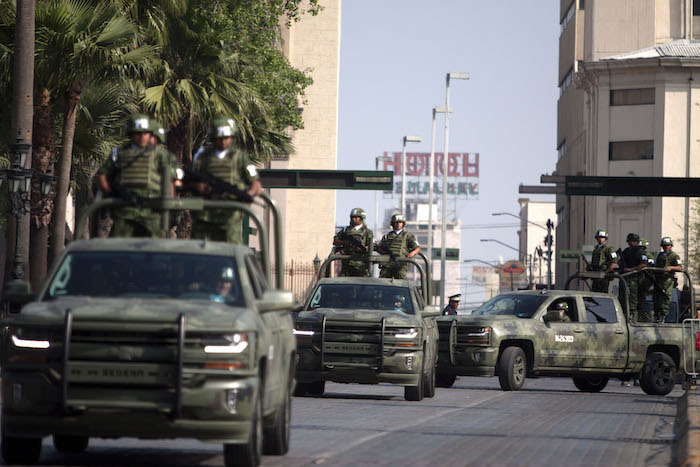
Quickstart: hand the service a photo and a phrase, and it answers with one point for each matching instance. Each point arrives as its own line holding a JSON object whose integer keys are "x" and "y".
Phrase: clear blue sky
{"x": 394, "y": 55}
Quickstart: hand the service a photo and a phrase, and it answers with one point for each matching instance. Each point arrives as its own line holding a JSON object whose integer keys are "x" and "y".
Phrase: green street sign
{"x": 382, "y": 180}
{"x": 569, "y": 256}
{"x": 451, "y": 254}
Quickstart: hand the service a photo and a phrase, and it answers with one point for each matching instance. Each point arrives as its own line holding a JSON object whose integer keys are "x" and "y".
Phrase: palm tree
{"x": 80, "y": 42}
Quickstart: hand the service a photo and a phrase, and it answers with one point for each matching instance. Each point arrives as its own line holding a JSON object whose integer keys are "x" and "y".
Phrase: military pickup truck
{"x": 152, "y": 338}
{"x": 369, "y": 331}
{"x": 520, "y": 334}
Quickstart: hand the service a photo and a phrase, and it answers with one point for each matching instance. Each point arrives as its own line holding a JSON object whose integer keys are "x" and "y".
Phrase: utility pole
{"x": 550, "y": 225}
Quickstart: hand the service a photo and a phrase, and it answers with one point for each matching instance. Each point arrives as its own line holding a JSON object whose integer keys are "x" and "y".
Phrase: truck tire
{"x": 658, "y": 375}
{"x": 248, "y": 454}
{"x": 445, "y": 381}
{"x": 21, "y": 450}
{"x": 429, "y": 383}
{"x": 512, "y": 369}
{"x": 65, "y": 443}
{"x": 276, "y": 437}
{"x": 415, "y": 393}
{"x": 590, "y": 383}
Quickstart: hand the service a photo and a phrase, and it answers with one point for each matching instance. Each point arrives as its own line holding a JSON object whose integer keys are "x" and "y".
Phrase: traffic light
{"x": 548, "y": 240}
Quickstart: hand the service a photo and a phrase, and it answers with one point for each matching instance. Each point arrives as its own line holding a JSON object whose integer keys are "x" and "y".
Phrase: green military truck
{"x": 368, "y": 331}
{"x": 520, "y": 334}
{"x": 152, "y": 338}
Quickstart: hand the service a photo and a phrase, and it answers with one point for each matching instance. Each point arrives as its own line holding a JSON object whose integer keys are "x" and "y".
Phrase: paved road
{"x": 475, "y": 423}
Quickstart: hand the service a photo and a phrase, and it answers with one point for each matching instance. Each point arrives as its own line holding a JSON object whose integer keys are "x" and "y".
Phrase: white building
{"x": 533, "y": 230}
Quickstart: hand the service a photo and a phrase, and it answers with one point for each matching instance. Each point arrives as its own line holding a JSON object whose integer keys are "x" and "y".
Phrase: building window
{"x": 561, "y": 150}
{"x": 631, "y": 150}
{"x": 696, "y": 7}
{"x": 566, "y": 82}
{"x": 581, "y": 5}
{"x": 567, "y": 17}
{"x": 632, "y": 96}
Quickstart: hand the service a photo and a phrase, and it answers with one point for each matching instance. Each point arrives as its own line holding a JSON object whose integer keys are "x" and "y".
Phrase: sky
{"x": 394, "y": 56}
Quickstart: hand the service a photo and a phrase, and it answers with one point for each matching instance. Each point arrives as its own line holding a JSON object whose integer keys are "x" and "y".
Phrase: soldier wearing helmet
{"x": 604, "y": 259}
{"x": 644, "y": 281}
{"x": 223, "y": 159}
{"x": 398, "y": 243}
{"x": 633, "y": 259}
{"x": 563, "y": 309}
{"x": 670, "y": 262}
{"x": 357, "y": 240}
{"x": 134, "y": 171}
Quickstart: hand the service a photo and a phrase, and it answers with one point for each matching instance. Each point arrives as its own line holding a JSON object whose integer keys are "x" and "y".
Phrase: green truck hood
{"x": 199, "y": 314}
{"x": 392, "y": 318}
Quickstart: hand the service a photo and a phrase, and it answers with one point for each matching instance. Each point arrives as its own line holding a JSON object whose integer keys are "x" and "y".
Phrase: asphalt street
{"x": 549, "y": 422}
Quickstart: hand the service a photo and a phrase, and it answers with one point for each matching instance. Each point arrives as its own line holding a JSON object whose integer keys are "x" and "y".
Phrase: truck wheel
{"x": 21, "y": 450}
{"x": 65, "y": 443}
{"x": 590, "y": 383}
{"x": 276, "y": 437}
{"x": 658, "y": 374}
{"x": 429, "y": 384}
{"x": 445, "y": 381}
{"x": 248, "y": 454}
{"x": 415, "y": 393}
{"x": 512, "y": 368}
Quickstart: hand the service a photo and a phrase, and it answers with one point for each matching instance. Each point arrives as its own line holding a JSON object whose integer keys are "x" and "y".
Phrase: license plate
{"x": 128, "y": 373}
{"x": 350, "y": 348}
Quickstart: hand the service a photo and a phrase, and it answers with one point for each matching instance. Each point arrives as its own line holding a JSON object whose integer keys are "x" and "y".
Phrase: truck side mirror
{"x": 277, "y": 300}
{"x": 17, "y": 293}
{"x": 552, "y": 316}
{"x": 431, "y": 310}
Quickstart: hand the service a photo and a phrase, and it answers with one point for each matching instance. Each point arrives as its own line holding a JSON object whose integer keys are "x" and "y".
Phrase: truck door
{"x": 561, "y": 345}
{"x": 604, "y": 334}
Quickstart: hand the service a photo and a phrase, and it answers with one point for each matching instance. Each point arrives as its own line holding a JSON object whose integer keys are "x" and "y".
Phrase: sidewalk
{"x": 687, "y": 453}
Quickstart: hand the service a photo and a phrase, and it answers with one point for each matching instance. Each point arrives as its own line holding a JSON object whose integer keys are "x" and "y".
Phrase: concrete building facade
{"x": 533, "y": 230}
{"x": 629, "y": 100}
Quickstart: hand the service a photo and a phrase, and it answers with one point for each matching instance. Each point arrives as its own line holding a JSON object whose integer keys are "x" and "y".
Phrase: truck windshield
{"x": 362, "y": 296}
{"x": 147, "y": 275}
{"x": 521, "y": 306}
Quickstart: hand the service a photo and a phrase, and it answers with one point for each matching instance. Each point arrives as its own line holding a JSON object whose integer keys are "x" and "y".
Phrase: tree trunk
{"x": 22, "y": 105}
{"x": 42, "y": 158}
{"x": 58, "y": 224}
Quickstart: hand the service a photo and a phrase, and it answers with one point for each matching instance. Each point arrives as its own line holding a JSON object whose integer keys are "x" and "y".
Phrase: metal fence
{"x": 298, "y": 278}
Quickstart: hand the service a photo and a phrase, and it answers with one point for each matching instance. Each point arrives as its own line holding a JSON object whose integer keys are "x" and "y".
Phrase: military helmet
{"x": 158, "y": 131}
{"x": 222, "y": 127}
{"x": 397, "y": 218}
{"x": 644, "y": 243}
{"x": 227, "y": 274}
{"x": 562, "y": 306}
{"x": 666, "y": 241}
{"x": 358, "y": 212}
{"x": 139, "y": 123}
{"x": 632, "y": 237}
{"x": 601, "y": 234}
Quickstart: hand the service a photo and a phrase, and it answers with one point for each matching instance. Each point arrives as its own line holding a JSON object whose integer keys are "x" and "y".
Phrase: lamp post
{"x": 406, "y": 139}
{"x": 508, "y": 246}
{"x": 19, "y": 180}
{"x": 445, "y": 155}
{"x": 436, "y": 110}
{"x": 376, "y": 194}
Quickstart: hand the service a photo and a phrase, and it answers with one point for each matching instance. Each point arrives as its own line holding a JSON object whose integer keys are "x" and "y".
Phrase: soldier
{"x": 158, "y": 135}
{"x": 355, "y": 239}
{"x": 644, "y": 283}
{"x": 397, "y": 243}
{"x": 633, "y": 259}
{"x": 451, "y": 308}
{"x": 604, "y": 259}
{"x": 666, "y": 280}
{"x": 134, "y": 171}
{"x": 563, "y": 309}
{"x": 222, "y": 159}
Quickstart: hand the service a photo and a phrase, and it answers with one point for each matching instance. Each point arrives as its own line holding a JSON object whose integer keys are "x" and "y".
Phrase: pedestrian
{"x": 134, "y": 171}
{"x": 356, "y": 240}
{"x": 453, "y": 303}
{"x": 633, "y": 260}
{"x": 666, "y": 280}
{"x": 604, "y": 260}
{"x": 221, "y": 158}
{"x": 399, "y": 244}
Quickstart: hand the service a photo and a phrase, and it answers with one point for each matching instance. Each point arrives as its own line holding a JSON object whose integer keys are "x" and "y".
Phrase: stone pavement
{"x": 688, "y": 429}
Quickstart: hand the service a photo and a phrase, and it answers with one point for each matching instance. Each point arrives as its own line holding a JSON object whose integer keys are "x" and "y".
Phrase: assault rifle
{"x": 217, "y": 185}
{"x": 352, "y": 242}
{"x": 122, "y": 192}
{"x": 656, "y": 284}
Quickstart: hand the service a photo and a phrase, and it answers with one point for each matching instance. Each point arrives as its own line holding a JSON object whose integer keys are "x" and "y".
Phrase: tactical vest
{"x": 360, "y": 234}
{"x": 139, "y": 169}
{"x": 225, "y": 169}
{"x": 398, "y": 244}
{"x": 597, "y": 258}
{"x": 664, "y": 259}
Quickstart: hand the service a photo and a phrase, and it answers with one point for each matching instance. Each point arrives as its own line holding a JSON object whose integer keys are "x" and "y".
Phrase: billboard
{"x": 462, "y": 174}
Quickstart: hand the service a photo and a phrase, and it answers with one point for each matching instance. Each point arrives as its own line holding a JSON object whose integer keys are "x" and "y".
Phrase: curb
{"x": 687, "y": 447}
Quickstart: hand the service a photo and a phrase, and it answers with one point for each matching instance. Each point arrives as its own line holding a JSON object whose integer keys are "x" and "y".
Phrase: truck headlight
{"x": 405, "y": 333}
{"x": 30, "y": 343}
{"x": 237, "y": 343}
{"x": 478, "y": 335}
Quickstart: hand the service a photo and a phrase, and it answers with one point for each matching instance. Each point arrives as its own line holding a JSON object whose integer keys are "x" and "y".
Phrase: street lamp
{"x": 445, "y": 156}
{"x": 376, "y": 193}
{"x": 548, "y": 241}
{"x": 436, "y": 110}
{"x": 504, "y": 244}
{"x": 406, "y": 139}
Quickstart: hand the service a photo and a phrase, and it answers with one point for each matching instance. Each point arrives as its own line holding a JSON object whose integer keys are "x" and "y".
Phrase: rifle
{"x": 217, "y": 185}
{"x": 122, "y": 192}
{"x": 350, "y": 241}
{"x": 620, "y": 262}
{"x": 656, "y": 284}
{"x": 385, "y": 251}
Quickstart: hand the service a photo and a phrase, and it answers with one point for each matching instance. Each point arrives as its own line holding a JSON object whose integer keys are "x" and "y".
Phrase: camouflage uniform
{"x": 233, "y": 167}
{"x": 139, "y": 170}
{"x": 667, "y": 281}
{"x": 603, "y": 256}
{"x": 352, "y": 267}
{"x": 644, "y": 284}
{"x": 400, "y": 245}
{"x": 633, "y": 256}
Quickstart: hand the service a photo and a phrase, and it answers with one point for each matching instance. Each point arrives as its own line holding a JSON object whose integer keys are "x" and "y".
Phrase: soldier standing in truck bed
{"x": 355, "y": 239}
{"x": 633, "y": 260}
{"x": 604, "y": 259}
{"x": 398, "y": 243}
{"x": 671, "y": 263}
